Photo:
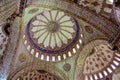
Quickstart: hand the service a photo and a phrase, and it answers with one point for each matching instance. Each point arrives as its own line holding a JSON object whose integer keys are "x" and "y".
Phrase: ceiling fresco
{"x": 101, "y": 61}
{"x": 60, "y": 40}
{"x": 52, "y": 33}
{"x": 38, "y": 75}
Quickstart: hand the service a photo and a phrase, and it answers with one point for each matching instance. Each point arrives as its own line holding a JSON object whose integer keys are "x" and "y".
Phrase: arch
{"x": 37, "y": 69}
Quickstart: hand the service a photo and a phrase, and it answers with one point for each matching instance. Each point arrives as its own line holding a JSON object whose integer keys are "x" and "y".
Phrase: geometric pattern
{"x": 95, "y": 5}
{"x": 52, "y": 35}
{"x": 38, "y": 75}
{"x": 3, "y": 41}
{"x": 101, "y": 63}
{"x": 3, "y": 44}
{"x": 53, "y": 29}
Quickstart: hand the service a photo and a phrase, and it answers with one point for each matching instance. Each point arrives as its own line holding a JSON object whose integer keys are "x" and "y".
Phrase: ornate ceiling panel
{"x": 55, "y": 30}
{"x": 13, "y": 31}
{"x": 7, "y": 8}
{"x": 101, "y": 61}
{"x": 103, "y": 7}
{"x": 53, "y": 35}
{"x": 3, "y": 43}
{"x": 38, "y": 75}
{"x": 37, "y": 72}
{"x": 92, "y": 4}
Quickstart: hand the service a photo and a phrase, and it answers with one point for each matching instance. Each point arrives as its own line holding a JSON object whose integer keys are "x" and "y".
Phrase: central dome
{"x": 52, "y": 32}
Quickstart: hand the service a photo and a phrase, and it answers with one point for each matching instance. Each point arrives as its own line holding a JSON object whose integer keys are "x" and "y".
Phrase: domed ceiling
{"x": 52, "y": 38}
{"x": 38, "y": 75}
{"x": 101, "y": 61}
{"x": 52, "y": 35}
